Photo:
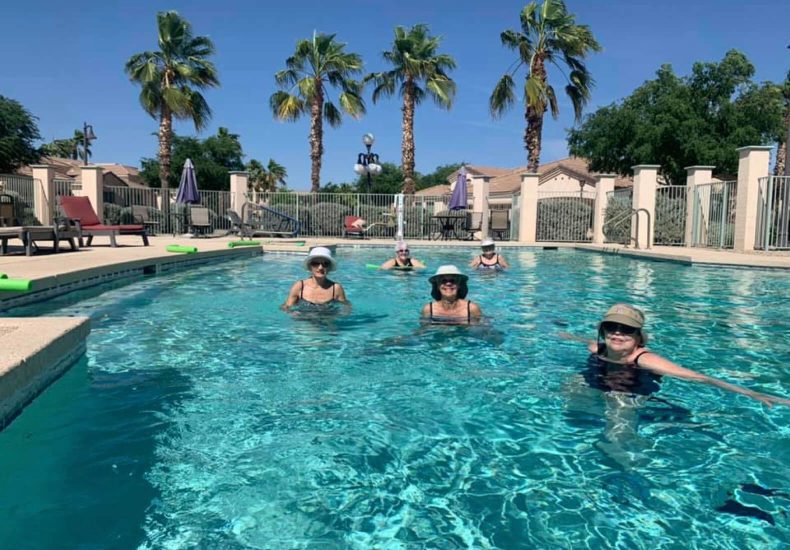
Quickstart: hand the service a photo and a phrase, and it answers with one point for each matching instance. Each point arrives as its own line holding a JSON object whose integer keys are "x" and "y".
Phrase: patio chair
{"x": 199, "y": 220}
{"x": 499, "y": 223}
{"x": 7, "y": 211}
{"x": 351, "y": 227}
{"x": 142, "y": 215}
{"x": 474, "y": 223}
{"x": 237, "y": 225}
{"x": 80, "y": 211}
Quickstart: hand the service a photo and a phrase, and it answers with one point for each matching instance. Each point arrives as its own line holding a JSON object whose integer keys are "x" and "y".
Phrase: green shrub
{"x": 565, "y": 219}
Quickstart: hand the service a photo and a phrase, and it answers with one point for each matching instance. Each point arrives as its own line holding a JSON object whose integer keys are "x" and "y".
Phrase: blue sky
{"x": 64, "y": 62}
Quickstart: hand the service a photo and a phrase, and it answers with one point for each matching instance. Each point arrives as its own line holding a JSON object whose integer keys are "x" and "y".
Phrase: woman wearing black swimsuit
{"x": 317, "y": 289}
{"x": 450, "y": 306}
{"x": 402, "y": 259}
{"x": 621, "y": 362}
{"x": 489, "y": 259}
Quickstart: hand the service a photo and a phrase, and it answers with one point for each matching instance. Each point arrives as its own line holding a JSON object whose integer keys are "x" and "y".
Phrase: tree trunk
{"x": 780, "y": 168}
{"x": 165, "y": 140}
{"x": 316, "y": 138}
{"x": 532, "y": 139}
{"x": 407, "y": 146}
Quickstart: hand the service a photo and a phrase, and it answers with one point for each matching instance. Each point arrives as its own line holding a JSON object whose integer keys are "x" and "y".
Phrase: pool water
{"x": 203, "y": 416}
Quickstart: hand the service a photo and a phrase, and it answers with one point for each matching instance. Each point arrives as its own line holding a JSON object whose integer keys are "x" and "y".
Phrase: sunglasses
{"x": 323, "y": 263}
{"x": 448, "y": 281}
{"x": 404, "y": 251}
{"x": 617, "y": 327}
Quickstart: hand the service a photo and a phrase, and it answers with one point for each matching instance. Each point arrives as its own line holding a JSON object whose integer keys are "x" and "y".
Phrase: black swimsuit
{"x": 403, "y": 266}
{"x": 496, "y": 265}
{"x": 452, "y": 320}
{"x": 302, "y": 299}
{"x": 615, "y": 377}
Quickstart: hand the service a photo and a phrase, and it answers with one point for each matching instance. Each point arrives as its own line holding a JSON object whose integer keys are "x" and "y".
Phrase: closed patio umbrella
{"x": 187, "y": 189}
{"x": 458, "y": 200}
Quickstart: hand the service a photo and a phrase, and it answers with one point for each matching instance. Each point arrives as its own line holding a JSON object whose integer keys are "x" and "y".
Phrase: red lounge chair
{"x": 88, "y": 223}
{"x": 350, "y": 229}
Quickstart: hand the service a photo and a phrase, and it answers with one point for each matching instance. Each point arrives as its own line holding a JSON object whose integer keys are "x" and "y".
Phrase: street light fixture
{"x": 87, "y": 136}
{"x": 368, "y": 163}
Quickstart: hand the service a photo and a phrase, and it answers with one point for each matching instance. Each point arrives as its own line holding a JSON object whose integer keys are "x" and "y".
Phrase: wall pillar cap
{"x": 529, "y": 175}
{"x": 599, "y": 176}
{"x": 755, "y": 148}
{"x": 239, "y": 172}
{"x": 90, "y": 167}
{"x": 646, "y": 166}
{"x": 699, "y": 167}
{"x": 42, "y": 165}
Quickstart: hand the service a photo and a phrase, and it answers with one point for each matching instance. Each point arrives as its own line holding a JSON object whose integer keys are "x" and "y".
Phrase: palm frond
{"x": 332, "y": 115}
{"x": 286, "y": 106}
{"x": 503, "y": 97}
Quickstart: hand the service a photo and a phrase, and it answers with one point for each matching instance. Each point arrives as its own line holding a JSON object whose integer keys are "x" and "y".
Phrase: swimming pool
{"x": 204, "y": 416}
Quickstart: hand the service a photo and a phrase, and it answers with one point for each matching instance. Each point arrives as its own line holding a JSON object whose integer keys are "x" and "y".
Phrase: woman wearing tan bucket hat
{"x": 450, "y": 306}
{"x": 489, "y": 259}
{"x": 621, "y": 362}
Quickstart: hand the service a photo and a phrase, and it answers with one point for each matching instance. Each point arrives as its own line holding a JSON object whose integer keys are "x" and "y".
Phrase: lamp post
{"x": 87, "y": 137}
{"x": 368, "y": 163}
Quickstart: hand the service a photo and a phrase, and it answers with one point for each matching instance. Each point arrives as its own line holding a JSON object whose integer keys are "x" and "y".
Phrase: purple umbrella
{"x": 458, "y": 200}
{"x": 187, "y": 189}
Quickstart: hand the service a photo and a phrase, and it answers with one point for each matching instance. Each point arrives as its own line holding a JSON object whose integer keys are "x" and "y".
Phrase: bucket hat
{"x": 487, "y": 242}
{"x": 320, "y": 252}
{"x": 444, "y": 270}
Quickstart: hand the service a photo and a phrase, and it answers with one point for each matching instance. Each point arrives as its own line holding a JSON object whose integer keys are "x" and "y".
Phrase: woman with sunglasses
{"x": 317, "y": 289}
{"x": 621, "y": 362}
{"x": 402, "y": 259}
{"x": 489, "y": 259}
{"x": 450, "y": 306}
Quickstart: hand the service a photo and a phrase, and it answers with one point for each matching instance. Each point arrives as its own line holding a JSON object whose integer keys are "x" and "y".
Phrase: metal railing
{"x": 23, "y": 188}
{"x": 670, "y": 214}
{"x": 773, "y": 213}
{"x": 565, "y": 216}
{"x": 618, "y": 216}
{"x": 714, "y": 215}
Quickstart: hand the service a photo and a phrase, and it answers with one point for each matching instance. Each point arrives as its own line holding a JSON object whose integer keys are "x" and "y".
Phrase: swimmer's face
{"x": 319, "y": 267}
{"x": 403, "y": 253}
{"x": 488, "y": 251}
{"x": 448, "y": 286}
{"x": 619, "y": 337}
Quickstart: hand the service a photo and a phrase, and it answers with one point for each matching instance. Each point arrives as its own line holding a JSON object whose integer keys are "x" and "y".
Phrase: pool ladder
{"x": 634, "y": 212}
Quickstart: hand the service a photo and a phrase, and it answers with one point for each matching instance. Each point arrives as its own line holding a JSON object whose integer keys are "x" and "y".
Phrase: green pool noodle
{"x": 181, "y": 249}
{"x": 18, "y": 285}
{"x": 3, "y": 276}
{"x": 372, "y": 266}
{"x": 234, "y": 244}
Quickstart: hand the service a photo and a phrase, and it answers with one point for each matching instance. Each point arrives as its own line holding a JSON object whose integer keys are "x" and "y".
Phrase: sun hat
{"x": 401, "y": 245}
{"x": 444, "y": 270}
{"x": 487, "y": 242}
{"x": 625, "y": 315}
{"x": 323, "y": 253}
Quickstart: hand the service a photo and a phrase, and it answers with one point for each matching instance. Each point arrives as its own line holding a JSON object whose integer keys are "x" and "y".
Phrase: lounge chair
{"x": 199, "y": 221}
{"x": 80, "y": 210}
{"x": 262, "y": 221}
{"x": 142, "y": 215}
{"x": 499, "y": 223}
{"x": 237, "y": 225}
{"x": 352, "y": 228}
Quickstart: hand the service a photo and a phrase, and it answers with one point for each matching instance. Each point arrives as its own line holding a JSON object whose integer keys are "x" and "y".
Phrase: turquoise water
{"x": 202, "y": 416}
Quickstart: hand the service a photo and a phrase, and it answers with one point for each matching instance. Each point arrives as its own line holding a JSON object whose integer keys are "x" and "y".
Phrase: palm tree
{"x": 266, "y": 178}
{"x": 549, "y": 35}
{"x": 415, "y": 61}
{"x": 315, "y": 66}
{"x": 80, "y": 150}
{"x": 170, "y": 79}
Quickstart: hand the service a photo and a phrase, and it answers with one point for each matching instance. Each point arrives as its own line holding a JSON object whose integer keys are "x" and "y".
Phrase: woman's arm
{"x": 655, "y": 363}
{"x": 475, "y": 262}
{"x": 417, "y": 263}
{"x": 293, "y": 296}
{"x": 426, "y": 311}
{"x": 475, "y": 311}
{"x": 340, "y": 294}
{"x": 503, "y": 261}
{"x": 389, "y": 264}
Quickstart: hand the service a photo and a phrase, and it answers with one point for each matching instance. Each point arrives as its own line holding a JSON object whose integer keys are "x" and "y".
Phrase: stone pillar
{"x": 480, "y": 186}
{"x": 528, "y": 217}
{"x": 603, "y": 186}
{"x": 93, "y": 187}
{"x": 645, "y": 183}
{"x": 239, "y": 182}
{"x": 695, "y": 175}
{"x": 44, "y": 193}
{"x": 753, "y": 164}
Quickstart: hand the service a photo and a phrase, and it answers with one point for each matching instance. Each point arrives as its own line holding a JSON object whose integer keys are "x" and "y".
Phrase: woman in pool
{"x": 402, "y": 259}
{"x": 317, "y": 289}
{"x": 489, "y": 259}
{"x": 450, "y": 306}
{"x": 621, "y": 363}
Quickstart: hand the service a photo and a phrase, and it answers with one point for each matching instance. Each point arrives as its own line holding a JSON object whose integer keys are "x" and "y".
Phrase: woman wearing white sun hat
{"x": 489, "y": 259}
{"x": 450, "y": 306}
{"x": 317, "y": 289}
{"x": 402, "y": 259}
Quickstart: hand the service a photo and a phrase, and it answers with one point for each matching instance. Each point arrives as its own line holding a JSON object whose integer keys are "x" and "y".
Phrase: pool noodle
{"x": 234, "y": 244}
{"x": 181, "y": 249}
{"x": 19, "y": 285}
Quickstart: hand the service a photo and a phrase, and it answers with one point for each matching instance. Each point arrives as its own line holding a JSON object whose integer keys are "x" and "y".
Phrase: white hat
{"x": 401, "y": 245}
{"x": 448, "y": 270}
{"x": 320, "y": 252}
{"x": 487, "y": 242}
